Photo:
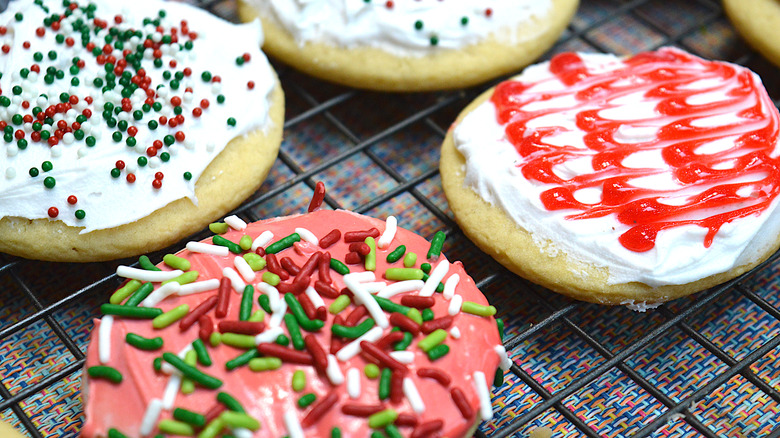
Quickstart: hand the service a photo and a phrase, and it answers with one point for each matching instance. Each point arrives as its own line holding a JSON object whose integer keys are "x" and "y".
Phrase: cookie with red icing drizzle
{"x": 295, "y": 326}
{"x": 620, "y": 181}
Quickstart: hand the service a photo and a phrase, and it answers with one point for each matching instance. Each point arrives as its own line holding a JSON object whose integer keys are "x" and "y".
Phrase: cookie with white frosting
{"x": 127, "y": 125}
{"x": 620, "y": 181}
{"x": 409, "y": 45}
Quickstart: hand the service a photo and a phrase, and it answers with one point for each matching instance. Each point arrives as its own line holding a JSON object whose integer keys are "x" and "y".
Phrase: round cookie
{"x": 558, "y": 192}
{"x": 409, "y": 46}
{"x": 756, "y": 21}
{"x": 342, "y": 366}
{"x": 134, "y": 134}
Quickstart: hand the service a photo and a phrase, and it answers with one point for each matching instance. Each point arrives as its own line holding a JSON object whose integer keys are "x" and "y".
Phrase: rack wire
{"x": 708, "y": 365}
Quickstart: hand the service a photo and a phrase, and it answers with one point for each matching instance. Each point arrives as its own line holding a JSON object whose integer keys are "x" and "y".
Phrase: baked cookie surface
{"x": 291, "y": 354}
{"x": 756, "y": 21}
{"x": 136, "y": 127}
{"x": 409, "y": 45}
{"x": 619, "y": 181}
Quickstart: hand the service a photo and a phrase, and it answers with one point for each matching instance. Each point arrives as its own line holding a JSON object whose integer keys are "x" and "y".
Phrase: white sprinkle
{"x": 480, "y": 383}
{"x": 455, "y": 305}
{"x": 104, "y": 339}
{"x": 363, "y": 297}
{"x": 198, "y": 287}
{"x": 235, "y": 222}
{"x": 160, "y": 294}
{"x": 450, "y": 285}
{"x": 411, "y": 393}
{"x": 315, "y": 298}
{"x": 352, "y": 349}
{"x": 207, "y": 248}
{"x": 273, "y": 295}
{"x": 10, "y": 173}
{"x": 353, "y": 383}
{"x": 362, "y": 277}
{"x": 171, "y": 390}
{"x": 391, "y": 226}
{"x": 235, "y": 280}
{"x": 374, "y": 286}
{"x": 278, "y": 314}
{"x": 401, "y": 287}
{"x": 150, "y": 416}
{"x": 144, "y": 275}
{"x": 294, "y": 429}
{"x": 505, "y": 362}
{"x": 455, "y": 332}
{"x": 308, "y": 236}
{"x": 406, "y": 356}
{"x": 437, "y": 275}
{"x": 269, "y": 335}
{"x": 244, "y": 269}
{"x": 241, "y": 432}
{"x": 333, "y": 371}
{"x": 262, "y": 240}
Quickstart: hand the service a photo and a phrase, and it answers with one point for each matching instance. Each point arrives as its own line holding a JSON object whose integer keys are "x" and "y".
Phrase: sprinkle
{"x": 143, "y": 343}
{"x": 436, "y": 277}
{"x": 147, "y": 264}
{"x": 235, "y": 420}
{"x": 247, "y": 297}
{"x": 370, "y": 260}
{"x": 294, "y": 429}
{"x": 235, "y": 222}
{"x": 171, "y": 316}
{"x": 306, "y": 400}
{"x": 144, "y": 275}
{"x": 435, "y": 338}
{"x": 212, "y": 429}
{"x": 360, "y": 236}
{"x": 363, "y": 297}
{"x": 504, "y": 361}
{"x": 315, "y": 298}
{"x": 105, "y": 372}
{"x": 320, "y": 409}
{"x": 189, "y": 417}
{"x": 255, "y": 261}
{"x": 455, "y": 332}
{"x": 231, "y": 246}
{"x": 410, "y": 260}
{"x": 235, "y": 280}
{"x": 403, "y": 274}
{"x": 176, "y": 262}
{"x": 363, "y": 277}
{"x": 459, "y": 397}
{"x": 411, "y": 393}
{"x": 438, "y": 352}
{"x": 405, "y": 357}
{"x": 124, "y": 292}
{"x": 450, "y": 285}
{"x": 352, "y": 332}
{"x": 268, "y": 336}
{"x": 238, "y": 340}
{"x": 383, "y": 418}
{"x": 436, "y": 244}
{"x": 329, "y": 239}
{"x": 455, "y": 305}
{"x": 333, "y": 371}
{"x": 174, "y": 427}
{"x": 207, "y": 248}
{"x": 262, "y": 240}
{"x": 283, "y": 243}
{"x": 391, "y": 226}
{"x": 265, "y": 363}
{"x": 339, "y": 267}
{"x": 339, "y": 304}
{"x": 485, "y": 410}
{"x": 150, "y": 416}
{"x": 276, "y": 317}
{"x": 371, "y": 370}
{"x": 478, "y": 309}
{"x": 353, "y": 383}
{"x": 130, "y": 311}
{"x": 244, "y": 269}
{"x": 307, "y": 236}
{"x": 202, "y": 353}
{"x": 353, "y": 348}
{"x": 317, "y": 197}
{"x": 245, "y": 243}
{"x": 198, "y": 287}
{"x": 191, "y": 372}
{"x": 160, "y": 294}
{"x": 185, "y": 278}
{"x": 299, "y": 380}
{"x": 241, "y": 359}
{"x": 374, "y": 286}
{"x": 440, "y": 376}
{"x": 140, "y": 294}
{"x": 104, "y": 339}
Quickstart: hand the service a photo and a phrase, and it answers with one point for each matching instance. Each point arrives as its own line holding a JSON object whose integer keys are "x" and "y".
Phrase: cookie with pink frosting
{"x": 328, "y": 323}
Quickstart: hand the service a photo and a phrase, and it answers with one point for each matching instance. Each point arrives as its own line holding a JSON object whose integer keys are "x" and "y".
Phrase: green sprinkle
{"x": 339, "y": 304}
{"x": 498, "y": 378}
{"x": 389, "y": 306}
{"x": 241, "y": 360}
{"x": 477, "y": 309}
{"x": 384, "y": 383}
{"x": 245, "y": 242}
{"x": 436, "y": 244}
{"x": 174, "y": 427}
{"x": 264, "y": 302}
{"x": 427, "y": 314}
{"x": 230, "y": 402}
{"x": 438, "y": 351}
{"x": 396, "y": 254}
{"x": 283, "y": 243}
{"x": 147, "y": 264}
{"x": 410, "y": 260}
{"x": 381, "y": 419}
{"x": 113, "y": 433}
{"x": 130, "y": 311}
{"x": 433, "y": 339}
{"x": 295, "y": 331}
{"x": 418, "y": 24}
{"x": 352, "y": 332}
{"x": 171, "y": 316}
{"x": 124, "y": 292}
{"x": 255, "y": 262}
{"x": 426, "y": 267}
{"x": 335, "y": 433}
{"x": 191, "y": 372}
{"x": 247, "y": 297}
{"x": 219, "y": 227}
{"x": 157, "y": 364}
{"x": 404, "y": 343}
{"x": 306, "y": 400}
{"x": 231, "y": 121}
{"x": 500, "y": 325}
{"x": 213, "y": 428}
{"x": 235, "y": 420}
{"x": 271, "y": 278}
{"x": 392, "y": 431}
{"x": 176, "y": 262}
{"x": 294, "y": 306}
{"x": 232, "y": 246}
{"x": 257, "y": 316}
{"x": 215, "y": 339}
{"x": 298, "y": 381}
{"x": 105, "y": 372}
{"x": 142, "y": 343}
{"x": 203, "y": 354}
{"x": 371, "y": 371}
{"x": 238, "y": 340}
{"x": 265, "y": 363}
{"x": 399, "y": 274}
{"x": 339, "y": 267}
{"x": 189, "y": 417}
{"x": 49, "y": 182}
{"x": 185, "y": 278}
{"x": 282, "y": 340}
{"x": 370, "y": 260}
{"x": 415, "y": 315}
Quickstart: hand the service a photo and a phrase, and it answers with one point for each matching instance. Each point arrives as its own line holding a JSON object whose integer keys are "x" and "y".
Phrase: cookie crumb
{"x": 541, "y": 432}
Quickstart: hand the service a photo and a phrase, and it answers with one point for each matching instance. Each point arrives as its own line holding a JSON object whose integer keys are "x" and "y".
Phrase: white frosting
{"x": 85, "y": 172}
{"x": 679, "y": 255}
{"x": 355, "y": 23}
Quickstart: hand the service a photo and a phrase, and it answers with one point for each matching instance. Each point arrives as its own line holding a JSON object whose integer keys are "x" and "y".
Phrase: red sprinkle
{"x": 459, "y": 397}
{"x": 317, "y": 352}
{"x": 397, "y": 386}
{"x": 320, "y": 409}
{"x": 330, "y": 238}
{"x": 206, "y": 328}
{"x": 272, "y": 264}
{"x": 384, "y": 358}
{"x": 359, "y": 236}
{"x": 353, "y": 258}
{"x": 223, "y": 297}
{"x": 308, "y": 306}
{"x": 285, "y": 354}
{"x": 436, "y": 374}
{"x": 404, "y": 323}
{"x": 324, "y": 268}
{"x": 389, "y": 339}
{"x": 406, "y": 419}
{"x": 289, "y": 265}
{"x": 318, "y": 197}
{"x": 356, "y": 315}
{"x": 72, "y": 199}
{"x": 53, "y": 212}
{"x": 360, "y": 248}
{"x": 215, "y": 412}
{"x": 326, "y": 290}
{"x": 204, "y": 307}
{"x": 308, "y": 268}
{"x": 241, "y": 327}
{"x": 439, "y": 323}
{"x": 295, "y": 287}
{"x": 357, "y": 410}
{"x": 427, "y": 429}
{"x": 417, "y": 301}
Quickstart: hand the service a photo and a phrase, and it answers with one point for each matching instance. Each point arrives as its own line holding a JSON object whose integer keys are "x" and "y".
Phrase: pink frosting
{"x": 267, "y": 395}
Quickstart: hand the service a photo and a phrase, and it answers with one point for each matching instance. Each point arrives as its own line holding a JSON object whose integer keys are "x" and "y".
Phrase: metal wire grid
{"x": 291, "y": 184}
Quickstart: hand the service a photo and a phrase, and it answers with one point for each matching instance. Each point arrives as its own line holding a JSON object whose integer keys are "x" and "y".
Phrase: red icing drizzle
{"x": 708, "y": 183}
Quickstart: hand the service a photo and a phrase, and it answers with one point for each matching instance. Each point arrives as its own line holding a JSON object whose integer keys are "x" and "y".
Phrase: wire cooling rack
{"x": 707, "y": 365}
